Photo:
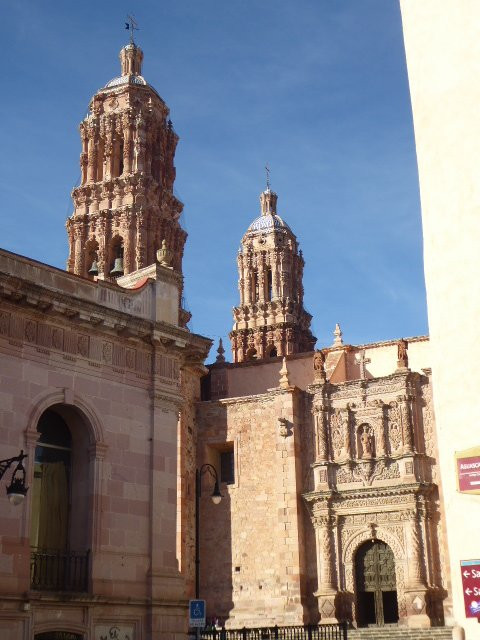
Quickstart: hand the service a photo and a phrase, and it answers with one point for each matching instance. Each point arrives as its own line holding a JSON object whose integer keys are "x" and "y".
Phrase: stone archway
{"x": 58, "y": 635}
{"x": 352, "y": 542}
{"x": 375, "y": 584}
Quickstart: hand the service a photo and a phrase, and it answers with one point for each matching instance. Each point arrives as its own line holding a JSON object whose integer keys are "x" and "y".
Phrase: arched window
{"x": 60, "y": 524}
{"x": 116, "y": 257}
{"x": 120, "y": 159}
{"x": 91, "y": 257}
{"x": 252, "y": 354}
{"x": 272, "y": 352}
{"x": 269, "y": 284}
{"x": 51, "y": 484}
{"x": 255, "y": 287}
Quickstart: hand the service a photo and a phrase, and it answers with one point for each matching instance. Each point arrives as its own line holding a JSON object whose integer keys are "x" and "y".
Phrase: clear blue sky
{"x": 316, "y": 88}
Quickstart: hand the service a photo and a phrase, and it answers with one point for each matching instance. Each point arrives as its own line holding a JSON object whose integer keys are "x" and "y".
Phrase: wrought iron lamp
{"x": 16, "y": 490}
{"x": 216, "y": 498}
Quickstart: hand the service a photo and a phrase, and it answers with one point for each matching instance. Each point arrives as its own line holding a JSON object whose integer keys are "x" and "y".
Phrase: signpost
{"x": 196, "y": 613}
{"x": 468, "y": 470}
{"x": 470, "y": 570}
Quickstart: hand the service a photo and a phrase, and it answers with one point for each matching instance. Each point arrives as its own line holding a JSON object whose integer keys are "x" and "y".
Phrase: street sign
{"x": 197, "y": 610}
{"x": 471, "y": 587}
{"x": 468, "y": 470}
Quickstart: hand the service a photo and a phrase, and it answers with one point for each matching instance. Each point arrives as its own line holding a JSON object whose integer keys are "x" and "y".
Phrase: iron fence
{"x": 306, "y": 632}
{"x": 59, "y": 570}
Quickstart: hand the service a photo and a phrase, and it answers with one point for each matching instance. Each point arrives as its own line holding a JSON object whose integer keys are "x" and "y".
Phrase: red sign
{"x": 471, "y": 587}
{"x": 469, "y": 473}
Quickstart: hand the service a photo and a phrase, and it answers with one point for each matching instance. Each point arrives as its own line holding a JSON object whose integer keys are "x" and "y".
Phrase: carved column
{"x": 92, "y": 155}
{"x": 129, "y": 244}
{"x": 79, "y": 253}
{"x": 241, "y": 279}
{"x": 405, "y": 415}
{"x": 128, "y": 142}
{"x": 327, "y": 587}
{"x": 415, "y": 557}
{"x": 319, "y": 411}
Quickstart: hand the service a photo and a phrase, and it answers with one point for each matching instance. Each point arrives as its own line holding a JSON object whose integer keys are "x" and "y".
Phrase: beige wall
{"x": 252, "y": 378}
{"x": 442, "y": 42}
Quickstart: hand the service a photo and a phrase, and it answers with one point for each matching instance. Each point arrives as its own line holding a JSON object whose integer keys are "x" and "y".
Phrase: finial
{"x": 164, "y": 255}
{"x": 284, "y": 382}
{"x": 220, "y": 351}
{"x": 338, "y": 340}
{"x": 267, "y": 171}
{"x": 131, "y": 25}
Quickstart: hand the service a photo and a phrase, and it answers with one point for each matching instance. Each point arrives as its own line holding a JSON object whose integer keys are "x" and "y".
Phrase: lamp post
{"x": 216, "y": 497}
{"x": 16, "y": 490}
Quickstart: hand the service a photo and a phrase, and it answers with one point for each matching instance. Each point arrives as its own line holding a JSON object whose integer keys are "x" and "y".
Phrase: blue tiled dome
{"x": 126, "y": 80}
{"x": 268, "y": 222}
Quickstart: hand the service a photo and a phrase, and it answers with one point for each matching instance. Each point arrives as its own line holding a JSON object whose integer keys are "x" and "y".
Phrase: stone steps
{"x": 400, "y": 633}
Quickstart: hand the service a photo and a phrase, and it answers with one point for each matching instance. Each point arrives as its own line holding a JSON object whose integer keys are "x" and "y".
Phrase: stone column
{"x": 405, "y": 415}
{"x": 92, "y": 155}
{"x": 327, "y": 587}
{"x": 415, "y": 558}
{"x": 79, "y": 253}
{"x": 127, "y": 123}
{"x": 319, "y": 411}
{"x": 415, "y": 591}
{"x": 241, "y": 279}
{"x": 129, "y": 244}
{"x": 141, "y": 241}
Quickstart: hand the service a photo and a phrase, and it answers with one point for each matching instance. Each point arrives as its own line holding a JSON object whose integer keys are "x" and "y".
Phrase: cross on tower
{"x": 362, "y": 361}
{"x": 267, "y": 170}
{"x": 131, "y": 25}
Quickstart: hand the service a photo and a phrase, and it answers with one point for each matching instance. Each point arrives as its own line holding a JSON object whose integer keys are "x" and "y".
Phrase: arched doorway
{"x": 375, "y": 584}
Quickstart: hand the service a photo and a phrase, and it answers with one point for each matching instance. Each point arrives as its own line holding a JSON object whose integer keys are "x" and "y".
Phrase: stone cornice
{"x": 416, "y": 488}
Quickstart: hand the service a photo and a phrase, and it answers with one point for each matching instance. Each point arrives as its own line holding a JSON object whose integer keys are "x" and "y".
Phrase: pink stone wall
{"x": 252, "y": 547}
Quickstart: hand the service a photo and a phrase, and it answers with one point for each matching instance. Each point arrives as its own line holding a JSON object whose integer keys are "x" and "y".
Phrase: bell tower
{"x": 124, "y": 208}
{"x": 270, "y": 320}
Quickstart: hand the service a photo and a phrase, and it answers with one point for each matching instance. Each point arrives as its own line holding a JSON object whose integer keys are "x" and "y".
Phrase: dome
{"x": 267, "y": 223}
{"x": 126, "y": 80}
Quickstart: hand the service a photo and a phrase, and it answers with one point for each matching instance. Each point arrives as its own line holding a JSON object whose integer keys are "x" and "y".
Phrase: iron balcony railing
{"x": 305, "y": 632}
{"x": 52, "y": 570}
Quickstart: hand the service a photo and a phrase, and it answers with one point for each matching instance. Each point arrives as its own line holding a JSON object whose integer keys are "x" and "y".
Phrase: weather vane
{"x": 131, "y": 25}
{"x": 267, "y": 170}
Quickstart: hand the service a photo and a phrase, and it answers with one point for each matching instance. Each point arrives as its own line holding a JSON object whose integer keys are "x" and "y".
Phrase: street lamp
{"x": 16, "y": 490}
{"x": 216, "y": 497}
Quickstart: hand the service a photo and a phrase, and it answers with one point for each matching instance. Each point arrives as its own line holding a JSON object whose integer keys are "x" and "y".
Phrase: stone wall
{"x": 252, "y": 544}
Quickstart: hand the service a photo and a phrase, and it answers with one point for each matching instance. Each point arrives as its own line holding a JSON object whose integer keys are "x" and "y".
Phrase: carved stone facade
{"x": 270, "y": 320}
{"x": 124, "y": 208}
{"x": 362, "y": 472}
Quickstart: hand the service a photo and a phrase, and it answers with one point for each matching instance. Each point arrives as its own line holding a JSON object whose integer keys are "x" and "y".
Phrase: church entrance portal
{"x": 376, "y": 585}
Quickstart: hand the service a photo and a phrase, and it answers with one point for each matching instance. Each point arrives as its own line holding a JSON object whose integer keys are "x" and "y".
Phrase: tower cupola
{"x": 131, "y": 58}
{"x": 270, "y": 320}
{"x": 124, "y": 208}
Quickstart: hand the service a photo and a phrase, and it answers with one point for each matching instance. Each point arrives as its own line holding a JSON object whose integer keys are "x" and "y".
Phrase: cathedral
{"x": 325, "y": 458}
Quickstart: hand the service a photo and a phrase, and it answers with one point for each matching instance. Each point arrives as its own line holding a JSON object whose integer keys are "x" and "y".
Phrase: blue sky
{"x": 318, "y": 89}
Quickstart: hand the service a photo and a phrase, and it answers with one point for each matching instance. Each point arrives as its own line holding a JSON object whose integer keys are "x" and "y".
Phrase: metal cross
{"x": 131, "y": 25}
{"x": 362, "y": 361}
{"x": 267, "y": 169}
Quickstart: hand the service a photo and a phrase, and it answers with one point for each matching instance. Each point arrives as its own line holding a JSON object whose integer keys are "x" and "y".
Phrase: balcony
{"x": 52, "y": 570}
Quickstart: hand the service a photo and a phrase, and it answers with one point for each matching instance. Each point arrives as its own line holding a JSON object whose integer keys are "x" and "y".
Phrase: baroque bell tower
{"x": 124, "y": 208}
{"x": 270, "y": 320}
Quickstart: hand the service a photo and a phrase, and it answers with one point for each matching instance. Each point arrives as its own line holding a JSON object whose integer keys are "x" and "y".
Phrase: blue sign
{"x": 197, "y": 610}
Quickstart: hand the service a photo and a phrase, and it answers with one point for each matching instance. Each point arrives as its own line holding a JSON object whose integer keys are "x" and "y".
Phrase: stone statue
{"x": 319, "y": 366}
{"x": 402, "y": 354}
